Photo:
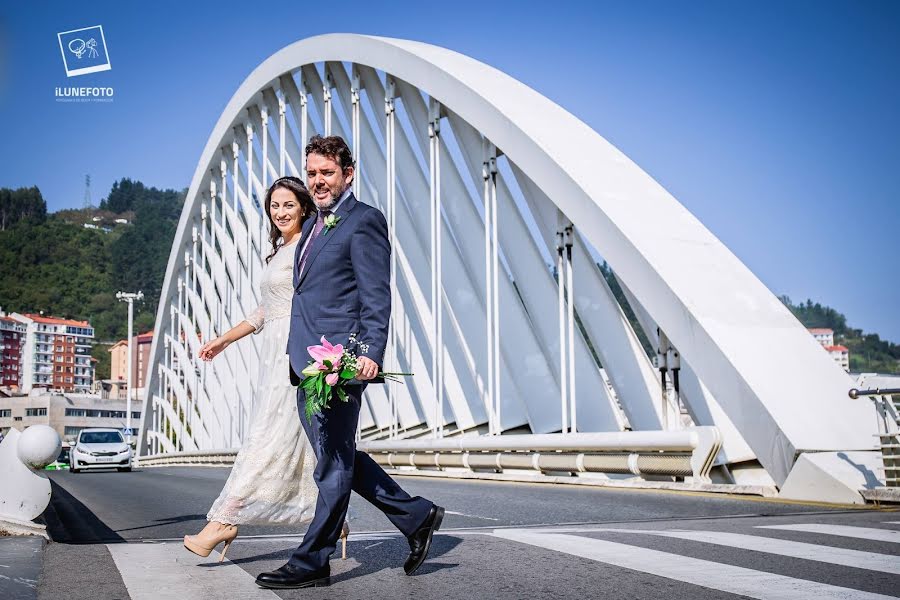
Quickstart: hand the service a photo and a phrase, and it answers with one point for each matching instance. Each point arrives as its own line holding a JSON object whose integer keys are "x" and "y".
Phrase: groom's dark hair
{"x": 333, "y": 147}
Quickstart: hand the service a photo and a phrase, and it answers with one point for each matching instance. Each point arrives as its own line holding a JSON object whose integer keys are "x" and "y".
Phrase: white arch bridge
{"x": 490, "y": 191}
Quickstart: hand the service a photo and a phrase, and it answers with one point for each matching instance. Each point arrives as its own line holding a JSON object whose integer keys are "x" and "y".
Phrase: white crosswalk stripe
{"x": 710, "y": 574}
{"x": 871, "y": 561}
{"x": 166, "y": 571}
{"x": 862, "y": 533}
{"x": 169, "y": 572}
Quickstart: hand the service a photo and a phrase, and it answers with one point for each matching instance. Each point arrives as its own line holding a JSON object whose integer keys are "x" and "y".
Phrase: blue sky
{"x": 776, "y": 123}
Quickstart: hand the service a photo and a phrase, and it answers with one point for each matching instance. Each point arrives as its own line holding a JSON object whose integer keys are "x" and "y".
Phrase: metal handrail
{"x": 855, "y": 393}
{"x": 687, "y": 452}
{"x": 692, "y": 450}
{"x": 888, "y": 419}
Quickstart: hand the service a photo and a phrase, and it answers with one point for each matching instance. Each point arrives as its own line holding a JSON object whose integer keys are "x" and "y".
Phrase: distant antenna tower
{"x": 87, "y": 192}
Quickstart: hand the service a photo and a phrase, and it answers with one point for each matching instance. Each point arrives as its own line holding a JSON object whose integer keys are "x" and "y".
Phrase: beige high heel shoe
{"x": 205, "y": 542}
{"x": 345, "y": 533}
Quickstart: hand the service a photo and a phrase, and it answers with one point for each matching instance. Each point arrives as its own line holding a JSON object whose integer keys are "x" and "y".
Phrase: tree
{"x": 125, "y": 195}
{"x": 21, "y": 204}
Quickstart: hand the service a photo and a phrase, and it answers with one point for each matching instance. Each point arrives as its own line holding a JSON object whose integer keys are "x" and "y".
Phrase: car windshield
{"x": 101, "y": 437}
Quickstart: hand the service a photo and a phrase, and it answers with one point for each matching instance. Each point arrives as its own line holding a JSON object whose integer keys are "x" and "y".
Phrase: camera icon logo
{"x": 84, "y": 51}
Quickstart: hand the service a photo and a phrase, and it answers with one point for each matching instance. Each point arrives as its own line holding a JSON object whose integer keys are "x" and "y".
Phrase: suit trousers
{"x": 340, "y": 469}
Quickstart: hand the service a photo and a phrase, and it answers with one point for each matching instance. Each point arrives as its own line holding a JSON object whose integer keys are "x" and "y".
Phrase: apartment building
{"x": 12, "y": 339}
{"x": 56, "y": 354}
{"x": 840, "y": 354}
{"x": 140, "y": 361}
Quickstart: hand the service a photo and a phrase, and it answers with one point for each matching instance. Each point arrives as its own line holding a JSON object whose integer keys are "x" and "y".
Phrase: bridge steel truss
{"x": 501, "y": 206}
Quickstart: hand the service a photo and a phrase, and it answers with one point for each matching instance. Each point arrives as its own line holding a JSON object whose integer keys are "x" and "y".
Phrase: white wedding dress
{"x": 272, "y": 478}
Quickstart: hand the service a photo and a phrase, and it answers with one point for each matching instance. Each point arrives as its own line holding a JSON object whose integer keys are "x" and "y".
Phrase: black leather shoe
{"x": 420, "y": 540}
{"x": 284, "y": 577}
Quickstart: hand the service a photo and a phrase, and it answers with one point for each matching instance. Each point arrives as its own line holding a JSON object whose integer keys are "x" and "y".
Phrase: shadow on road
{"x": 71, "y": 522}
{"x": 168, "y": 521}
{"x": 397, "y": 548}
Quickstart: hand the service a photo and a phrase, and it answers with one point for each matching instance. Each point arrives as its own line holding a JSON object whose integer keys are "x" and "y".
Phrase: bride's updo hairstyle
{"x": 307, "y": 208}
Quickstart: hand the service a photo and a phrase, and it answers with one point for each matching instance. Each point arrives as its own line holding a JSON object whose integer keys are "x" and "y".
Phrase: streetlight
{"x": 129, "y": 298}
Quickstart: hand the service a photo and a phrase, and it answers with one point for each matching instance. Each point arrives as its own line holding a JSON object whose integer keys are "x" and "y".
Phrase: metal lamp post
{"x": 129, "y": 298}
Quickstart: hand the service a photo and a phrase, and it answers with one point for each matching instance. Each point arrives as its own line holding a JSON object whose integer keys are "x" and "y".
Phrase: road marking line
{"x": 863, "y": 533}
{"x": 451, "y": 512}
{"x": 169, "y": 572}
{"x": 837, "y": 556}
{"x": 705, "y": 573}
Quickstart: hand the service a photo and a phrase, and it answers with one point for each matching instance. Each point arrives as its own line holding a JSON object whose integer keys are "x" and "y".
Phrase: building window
{"x": 71, "y": 430}
{"x": 5, "y": 412}
{"x": 136, "y": 414}
{"x": 35, "y": 412}
{"x": 17, "y": 418}
{"x": 76, "y": 412}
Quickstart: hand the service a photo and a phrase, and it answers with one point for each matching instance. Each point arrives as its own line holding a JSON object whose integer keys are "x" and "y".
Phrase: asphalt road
{"x": 118, "y": 536}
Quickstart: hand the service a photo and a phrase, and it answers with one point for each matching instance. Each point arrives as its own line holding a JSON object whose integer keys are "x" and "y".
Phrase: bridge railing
{"x": 887, "y": 406}
{"x": 198, "y": 458}
{"x": 685, "y": 453}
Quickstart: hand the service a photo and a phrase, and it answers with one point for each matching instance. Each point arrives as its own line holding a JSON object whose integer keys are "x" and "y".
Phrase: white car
{"x": 100, "y": 449}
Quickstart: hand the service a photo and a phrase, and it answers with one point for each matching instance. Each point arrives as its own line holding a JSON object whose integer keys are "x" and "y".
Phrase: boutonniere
{"x": 330, "y": 221}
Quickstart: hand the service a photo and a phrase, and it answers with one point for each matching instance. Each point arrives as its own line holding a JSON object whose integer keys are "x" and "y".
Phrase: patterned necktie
{"x": 320, "y": 224}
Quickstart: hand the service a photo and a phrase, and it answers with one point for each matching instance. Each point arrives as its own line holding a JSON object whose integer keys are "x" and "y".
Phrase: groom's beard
{"x": 332, "y": 201}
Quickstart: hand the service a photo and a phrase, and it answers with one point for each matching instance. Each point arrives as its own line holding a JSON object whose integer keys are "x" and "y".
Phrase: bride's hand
{"x": 213, "y": 347}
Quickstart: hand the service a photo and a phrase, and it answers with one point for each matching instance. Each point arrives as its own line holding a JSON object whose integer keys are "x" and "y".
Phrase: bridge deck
{"x": 504, "y": 539}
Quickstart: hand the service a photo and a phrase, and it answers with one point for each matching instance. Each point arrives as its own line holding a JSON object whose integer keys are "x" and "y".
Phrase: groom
{"x": 342, "y": 287}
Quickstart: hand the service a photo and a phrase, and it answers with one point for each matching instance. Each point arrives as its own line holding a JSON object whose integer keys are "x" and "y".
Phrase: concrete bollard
{"x": 25, "y": 491}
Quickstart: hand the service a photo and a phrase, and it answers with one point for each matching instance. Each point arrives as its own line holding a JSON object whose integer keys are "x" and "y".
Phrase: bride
{"x": 272, "y": 478}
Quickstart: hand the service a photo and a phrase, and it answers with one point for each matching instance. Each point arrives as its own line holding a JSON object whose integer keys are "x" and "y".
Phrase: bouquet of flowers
{"x": 331, "y": 367}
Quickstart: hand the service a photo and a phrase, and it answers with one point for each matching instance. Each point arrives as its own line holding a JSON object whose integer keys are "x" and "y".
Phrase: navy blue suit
{"x": 344, "y": 289}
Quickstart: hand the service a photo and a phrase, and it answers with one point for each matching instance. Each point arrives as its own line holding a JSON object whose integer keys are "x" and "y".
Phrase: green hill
{"x": 868, "y": 352}
{"x": 53, "y": 263}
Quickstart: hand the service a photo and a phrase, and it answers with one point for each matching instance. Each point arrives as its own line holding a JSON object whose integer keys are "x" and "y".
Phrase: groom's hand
{"x": 367, "y": 369}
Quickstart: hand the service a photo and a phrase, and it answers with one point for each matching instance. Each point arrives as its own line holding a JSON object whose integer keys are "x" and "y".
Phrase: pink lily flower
{"x": 331, "y": 378}
{"x": 327, "y": 352}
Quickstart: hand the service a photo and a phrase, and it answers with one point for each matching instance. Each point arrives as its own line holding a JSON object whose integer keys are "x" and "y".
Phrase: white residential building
{"x": 56, "y": 354}
{"x": 823, "y": 335}
{"x": 840, "y": 354}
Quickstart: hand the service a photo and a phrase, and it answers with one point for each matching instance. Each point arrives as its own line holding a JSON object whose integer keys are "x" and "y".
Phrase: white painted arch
{"x": 783, "y": 394}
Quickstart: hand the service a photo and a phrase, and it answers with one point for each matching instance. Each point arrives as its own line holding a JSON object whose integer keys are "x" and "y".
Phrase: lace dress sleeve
{"x": 257, "y": 319}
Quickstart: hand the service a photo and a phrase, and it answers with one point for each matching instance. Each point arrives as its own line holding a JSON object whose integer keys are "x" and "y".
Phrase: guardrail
{"x": 684, "y": 453}
{"x": 197, "y": 458}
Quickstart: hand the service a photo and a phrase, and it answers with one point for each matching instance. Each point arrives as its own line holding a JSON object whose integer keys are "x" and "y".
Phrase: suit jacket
{"x": 345, "y": 287}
